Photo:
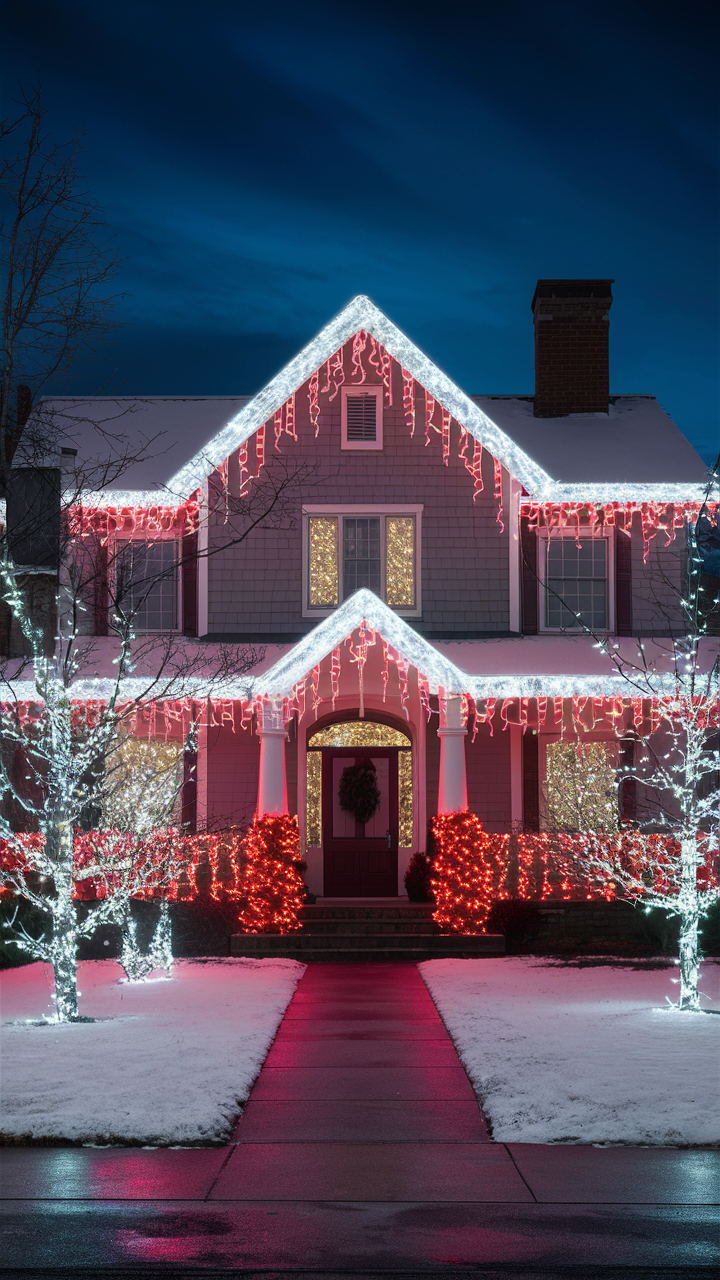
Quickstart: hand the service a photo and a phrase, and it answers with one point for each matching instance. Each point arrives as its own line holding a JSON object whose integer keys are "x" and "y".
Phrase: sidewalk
{"x": 362, "y": 1150}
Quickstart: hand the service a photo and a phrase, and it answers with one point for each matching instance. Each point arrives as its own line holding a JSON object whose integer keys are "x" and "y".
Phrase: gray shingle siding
{"x": 257, "y": 586}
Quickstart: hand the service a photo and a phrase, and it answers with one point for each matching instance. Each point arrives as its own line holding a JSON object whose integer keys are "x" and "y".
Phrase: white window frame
{"x": 609, "y": 536}
{"x": 361, "y": 389}
{"x": 164, "y": 536}
{"x": 382, "y": 510}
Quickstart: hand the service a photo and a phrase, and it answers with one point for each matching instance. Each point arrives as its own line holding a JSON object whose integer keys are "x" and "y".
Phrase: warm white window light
{"x": 350, "y": 548}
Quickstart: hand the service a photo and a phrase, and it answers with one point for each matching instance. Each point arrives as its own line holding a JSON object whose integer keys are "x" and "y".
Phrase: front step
{"x": 351, "y": 929}
{"x": 465, "y": 947}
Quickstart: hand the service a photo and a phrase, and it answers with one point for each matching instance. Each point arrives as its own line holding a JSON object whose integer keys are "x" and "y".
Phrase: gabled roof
{"x": 361, "y": 313}
{"x": 505, "y": 668}
{"x": 523, "y": 454}
{"x": 437, "y": 667}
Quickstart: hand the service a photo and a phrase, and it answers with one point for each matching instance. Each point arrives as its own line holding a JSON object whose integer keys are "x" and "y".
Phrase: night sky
{"x": 260, "y": 164}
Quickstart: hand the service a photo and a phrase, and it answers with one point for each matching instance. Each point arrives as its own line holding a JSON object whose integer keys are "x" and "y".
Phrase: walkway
{"x": 362, "y": 1150}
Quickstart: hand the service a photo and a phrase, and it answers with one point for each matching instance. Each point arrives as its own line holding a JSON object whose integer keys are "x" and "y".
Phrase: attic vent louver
{"x": 361, "y": 417}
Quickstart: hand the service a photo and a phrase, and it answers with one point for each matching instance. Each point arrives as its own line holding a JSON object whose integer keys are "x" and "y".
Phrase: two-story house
{"x": 426, "y": 593}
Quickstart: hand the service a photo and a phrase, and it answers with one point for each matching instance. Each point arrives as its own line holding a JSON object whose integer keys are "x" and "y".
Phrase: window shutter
{"x": 529, "y": 548}
{"x": 361, "y": 417}
{"x": 628, "y": 786}
{"x": 100, "y": 590}
{"x": 189, "y": 585}
{"x": 188, "y": 794}
{"x": 531, "y": 781}
{"x": 623, "y": 584}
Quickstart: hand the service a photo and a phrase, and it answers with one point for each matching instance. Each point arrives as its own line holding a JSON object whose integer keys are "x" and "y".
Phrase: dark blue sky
{"x": 261, "y": 164}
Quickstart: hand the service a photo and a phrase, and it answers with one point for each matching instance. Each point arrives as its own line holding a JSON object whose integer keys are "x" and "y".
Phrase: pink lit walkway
{"x": 363, "y": 1097}
{"x": 362, "y": 1151}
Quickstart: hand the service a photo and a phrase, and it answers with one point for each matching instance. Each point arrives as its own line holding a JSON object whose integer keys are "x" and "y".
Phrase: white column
{"x": 452, "y": 790}
{"x": 272, "y": 784}
{"x": 515, "y": 563}
{"x": 203, "y": 586}
{"x": 516, "y": 775}
{"x": 203, "y": 764}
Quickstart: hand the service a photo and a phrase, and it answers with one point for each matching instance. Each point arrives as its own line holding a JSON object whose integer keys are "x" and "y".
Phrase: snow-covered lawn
{"x": 562, "y": 1054}
{"x": 168, "y": 1062}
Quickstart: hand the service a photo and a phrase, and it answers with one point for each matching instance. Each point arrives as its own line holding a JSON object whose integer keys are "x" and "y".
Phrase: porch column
{"x": 452, "y": 791}
{"x": 272, "y": 784}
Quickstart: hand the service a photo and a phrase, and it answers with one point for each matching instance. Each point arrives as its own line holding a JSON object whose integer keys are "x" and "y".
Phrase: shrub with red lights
{"x": 473, "y": 869}
{"x": 159, "y": 864}
{"x": 272, "y": 886}
{"x": 464, "y": 872}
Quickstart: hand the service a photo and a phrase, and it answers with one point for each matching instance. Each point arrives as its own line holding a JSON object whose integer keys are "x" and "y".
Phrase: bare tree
{"x": 55, "y": 304}
{"x": 66, "y": 817}
{"x": 73, "y": 763}
{"x": 675, "y": 755}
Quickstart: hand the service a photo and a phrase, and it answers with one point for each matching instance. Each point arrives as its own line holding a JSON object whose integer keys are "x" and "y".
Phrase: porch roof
{"x": 521, "y": 666}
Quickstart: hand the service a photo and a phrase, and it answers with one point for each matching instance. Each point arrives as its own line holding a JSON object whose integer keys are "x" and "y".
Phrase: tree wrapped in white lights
{"x": 670, "y": 861}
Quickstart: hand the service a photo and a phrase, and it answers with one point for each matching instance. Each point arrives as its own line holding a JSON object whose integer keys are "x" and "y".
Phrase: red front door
{"x": 360, "y": 859}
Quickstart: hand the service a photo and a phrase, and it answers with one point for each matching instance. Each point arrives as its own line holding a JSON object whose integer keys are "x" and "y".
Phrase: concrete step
{"x": 357, "y": 928}
{"x": 410, "y": 912}
{"x": 307, "y": 947}
{"x": 364, "y": 955}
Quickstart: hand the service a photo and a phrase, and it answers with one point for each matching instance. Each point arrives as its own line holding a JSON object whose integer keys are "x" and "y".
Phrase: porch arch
{"x": 342, "y": 733}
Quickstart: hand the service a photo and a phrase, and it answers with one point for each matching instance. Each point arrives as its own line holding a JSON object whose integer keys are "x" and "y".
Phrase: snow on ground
{"x": 562, "y": 1054}
{"x": 168, "y": 1062}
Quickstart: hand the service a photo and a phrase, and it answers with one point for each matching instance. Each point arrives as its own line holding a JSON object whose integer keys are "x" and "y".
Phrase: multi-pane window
{"x": 146, "y": 583}
{"x": 346, "y": 552}
{"x": 362, "y": 562}
{"x": 576, "y": 583}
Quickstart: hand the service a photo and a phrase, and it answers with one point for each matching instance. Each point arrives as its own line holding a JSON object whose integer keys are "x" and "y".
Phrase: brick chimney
{"x": 572, "y": 355}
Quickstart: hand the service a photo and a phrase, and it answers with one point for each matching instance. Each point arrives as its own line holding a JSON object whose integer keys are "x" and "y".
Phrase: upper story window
{"x": 575, "y": 578}
{"x": 147, "y": 583}
{"x": 361, "y": 417}
{"x": 347, "y": 548}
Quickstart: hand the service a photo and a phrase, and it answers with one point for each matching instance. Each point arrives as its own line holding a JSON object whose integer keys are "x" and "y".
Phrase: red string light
{"x": 446, "y": 436}
{"x": 499, "y": 493}
{"x": 358, "y": 346}
{"x": 655, "y": 517}
{"x": 313, "y": 404}
{"x": 462, "y": 874}
{"x": 473, "y": 868}
{"x": 273, "y": 888}
{"x": 429, "y": 411}
{"x": 107, "y": 521}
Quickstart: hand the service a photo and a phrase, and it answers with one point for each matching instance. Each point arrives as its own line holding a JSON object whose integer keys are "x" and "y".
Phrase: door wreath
{"x": 359, "y": 793}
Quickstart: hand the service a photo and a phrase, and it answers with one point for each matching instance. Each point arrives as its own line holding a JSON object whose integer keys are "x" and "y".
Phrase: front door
{"x": 360, "y": 859}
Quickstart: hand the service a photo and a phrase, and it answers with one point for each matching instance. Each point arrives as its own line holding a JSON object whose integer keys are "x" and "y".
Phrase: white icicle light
{"x": 294, "y": 666}
{"x": 362, "y": 314}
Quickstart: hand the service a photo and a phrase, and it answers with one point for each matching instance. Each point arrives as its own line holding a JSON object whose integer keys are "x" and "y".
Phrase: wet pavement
{"x": 362, "y": 1150}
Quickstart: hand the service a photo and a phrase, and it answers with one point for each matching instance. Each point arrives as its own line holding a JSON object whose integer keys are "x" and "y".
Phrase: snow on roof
{"x": 503, "y": 668}
{"x": 168, "y": 430}
{"x": 570, "y": 458}
{"x": 636, "y": 442}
